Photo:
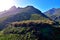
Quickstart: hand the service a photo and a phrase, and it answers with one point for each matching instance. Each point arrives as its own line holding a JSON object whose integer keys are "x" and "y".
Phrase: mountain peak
{"x": 53, "y": 8}
{"x": 29, "y": 7}
{"x": 13, "y": 7}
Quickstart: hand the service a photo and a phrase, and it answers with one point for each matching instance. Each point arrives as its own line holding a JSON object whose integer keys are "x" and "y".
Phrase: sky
{"x": 42, "y": 5}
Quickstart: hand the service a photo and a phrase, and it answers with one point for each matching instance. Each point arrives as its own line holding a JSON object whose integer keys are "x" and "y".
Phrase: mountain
{"x": 54, "y": 14}
{"x": 19, "y": 14}
{"x": 50, "y": 12}
{"x": 28, "y": 23}
{"x": 13, "y": 10}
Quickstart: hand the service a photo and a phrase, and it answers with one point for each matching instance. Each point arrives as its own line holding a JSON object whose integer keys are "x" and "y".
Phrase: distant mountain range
{"x": 54, "y": 14}
{"x": 19, "y": 14}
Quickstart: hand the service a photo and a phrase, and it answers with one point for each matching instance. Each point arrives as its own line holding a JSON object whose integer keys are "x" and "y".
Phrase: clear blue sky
{"x": 42, "y": 5}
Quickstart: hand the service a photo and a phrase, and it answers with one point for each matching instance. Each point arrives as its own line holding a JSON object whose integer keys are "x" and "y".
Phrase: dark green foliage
{"x": 37, "y": 17}
{"x": 37, "y": 32}
{"x": 30, "y": 31}
{"x": 10, "y": 37}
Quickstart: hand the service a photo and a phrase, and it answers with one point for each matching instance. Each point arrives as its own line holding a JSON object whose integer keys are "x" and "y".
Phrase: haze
{"x": 42, "y": 5}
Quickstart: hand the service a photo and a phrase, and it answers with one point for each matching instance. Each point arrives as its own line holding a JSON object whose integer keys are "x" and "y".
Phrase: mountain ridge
{"x": 20, "y": 14}
{"x": 55, "y": 15}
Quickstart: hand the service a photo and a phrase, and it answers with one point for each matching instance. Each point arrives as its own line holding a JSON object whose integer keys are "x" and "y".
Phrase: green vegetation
{"x": 28, "y": 24}
{"x": 32, "y": 30}
{"x": 36, "y": 28}
{"x": 37, "y": 17}
{"x": 10, "y": 37}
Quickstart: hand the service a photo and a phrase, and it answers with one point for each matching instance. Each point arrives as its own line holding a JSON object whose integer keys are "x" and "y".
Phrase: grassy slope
{"x": 32, "y": 32}
{"x": 3, "y": 18}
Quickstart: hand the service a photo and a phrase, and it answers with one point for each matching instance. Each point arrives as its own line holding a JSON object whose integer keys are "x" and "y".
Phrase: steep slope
{"x": 24, "y": 14}
{"x": 31, "y": 30}
{"x": 12, "y": 11}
